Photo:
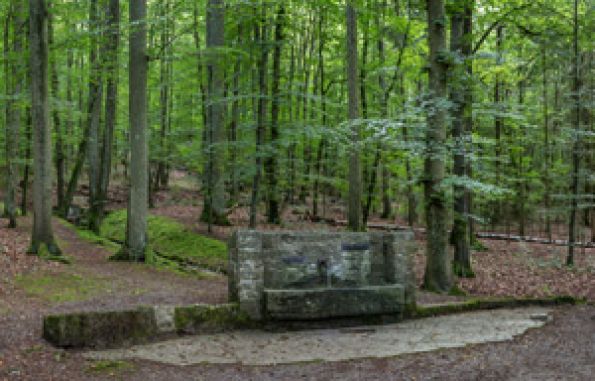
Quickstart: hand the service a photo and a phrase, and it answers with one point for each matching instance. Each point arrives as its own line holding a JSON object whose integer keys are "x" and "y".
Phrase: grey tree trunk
{"x": 272, "y": 171}
{"x": 261, "y": 36}
{"x": 234, "y": 125}
{"x": 136, "y": 231}
{"x": 214, "y": 210}
{"x": 111, "y": 103}
{"x": 42, "y": 234}
{"x": 13, "y": 112}
{"x": 57, "y": 125}
{"x": 354, "y": 176}
{"x": 438, "y": 274}
{"x": 458, "y": 86}
{"x": 546, "y": 141}
{"x": 96, "y": 57}
{"x": 467, "y": 49}
{"x": 164, "y": 96}
{"x": 576, "y": 124}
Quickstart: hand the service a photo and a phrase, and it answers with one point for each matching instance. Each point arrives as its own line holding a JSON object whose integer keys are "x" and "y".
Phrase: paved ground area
{"x": 268, "y": 348}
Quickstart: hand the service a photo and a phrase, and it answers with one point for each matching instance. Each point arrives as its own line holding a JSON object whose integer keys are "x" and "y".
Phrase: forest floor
{"x": 31, "y": 288}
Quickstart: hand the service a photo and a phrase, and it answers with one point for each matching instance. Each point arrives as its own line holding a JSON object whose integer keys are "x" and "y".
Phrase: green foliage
{"x": 171, "y": 240}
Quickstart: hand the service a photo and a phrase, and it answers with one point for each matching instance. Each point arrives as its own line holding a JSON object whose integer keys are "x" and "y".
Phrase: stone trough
{"x": 275, "y": 279}
{"x": 313, "y": 275}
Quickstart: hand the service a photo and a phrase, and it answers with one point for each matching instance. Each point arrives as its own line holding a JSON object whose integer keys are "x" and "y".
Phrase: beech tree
{"x": 42, "y": 234}
{"x": 135, "y": 246}
{"x": 438, "y": 276}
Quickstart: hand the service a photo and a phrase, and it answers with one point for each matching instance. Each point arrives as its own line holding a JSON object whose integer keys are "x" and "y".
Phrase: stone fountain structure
{"x": 321, "y": 275}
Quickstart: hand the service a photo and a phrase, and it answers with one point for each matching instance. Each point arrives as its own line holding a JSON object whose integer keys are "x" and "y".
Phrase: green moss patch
{"x": 100, "y": 329}
{"x": 110, "y": 367}
{"x": 60, "y": 288}
{"x": 172, "y": 241}
{"x": 490, "y": 303}
{"x": 208, "y": 318}
{"x": 89, "y": 236}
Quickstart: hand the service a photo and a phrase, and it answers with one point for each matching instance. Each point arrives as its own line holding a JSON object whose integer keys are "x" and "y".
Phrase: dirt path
{"x": 32, "y": 288}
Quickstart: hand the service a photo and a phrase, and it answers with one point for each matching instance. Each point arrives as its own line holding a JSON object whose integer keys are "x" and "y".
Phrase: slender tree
{"x": 261, "y": 33}
{"x": 13, "y": 113}
{"x": 576, "y": 147}
{"x": 111, "y": 103}
{"x": 355, "y": 176}
{"x": 272, "y": 172}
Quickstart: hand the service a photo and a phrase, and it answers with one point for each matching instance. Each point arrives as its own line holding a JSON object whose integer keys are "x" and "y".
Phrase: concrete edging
{"x": 111, "y": 329}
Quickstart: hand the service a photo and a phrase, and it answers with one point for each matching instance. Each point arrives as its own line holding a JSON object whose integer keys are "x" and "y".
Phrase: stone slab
{"x": 110, "y": 329}
{"x": 266, "y": 348}
{"x": 333, "y": 302}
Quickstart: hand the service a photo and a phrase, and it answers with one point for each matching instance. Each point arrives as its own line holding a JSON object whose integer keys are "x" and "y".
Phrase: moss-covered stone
{"x": 202, "y": 318}
{"x": 100, "y": 329}
{"x": 490, "y": 303}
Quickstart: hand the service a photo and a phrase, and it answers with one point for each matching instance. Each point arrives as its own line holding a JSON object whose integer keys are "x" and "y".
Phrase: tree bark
{"x": 111, "y": 103}
{"x": 272, "y": 170}
{"x": 214, "y": 201}
{"x": 354, "y": 177}
{"x": 576, "y": 124}
{"x": 136, "y": 232}
{"x": 42, "y": 234}
{"x": 261, "y": 37}
{"x": 94, "y": 113}
{"x": 458, "y": 87}
{"x": 57, "y": 125}
{"x": 13, "y": 111}
{"x": 438, "y": 275}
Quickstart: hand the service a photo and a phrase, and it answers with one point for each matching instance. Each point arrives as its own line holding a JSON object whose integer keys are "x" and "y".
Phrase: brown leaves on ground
{"x": 524, "y": 269}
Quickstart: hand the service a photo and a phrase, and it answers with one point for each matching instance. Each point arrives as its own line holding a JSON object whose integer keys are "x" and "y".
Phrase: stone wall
{"x": 302, "y": 270}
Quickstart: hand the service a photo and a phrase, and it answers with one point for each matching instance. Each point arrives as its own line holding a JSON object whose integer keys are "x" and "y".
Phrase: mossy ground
{"x": 62, "y": 287}
{"x": 171, "y": 240}
{"x": 109, "y": 367}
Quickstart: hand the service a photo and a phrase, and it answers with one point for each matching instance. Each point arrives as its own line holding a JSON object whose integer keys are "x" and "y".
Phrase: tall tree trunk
{"x": 42, "y": 234}
{"x": 354, "y": 176}
{"x": 322, "y": 143}
{"x": 576, "y": 124}
{"x": 467, "y": 49}
{"x": 111, "y": 103}
{"x": 14, "y": 80}
{"x": 272, "y": 171}
{"x": 498, "y": 122}
{"x": 136, "y": 232}
{"x": 261, "y": 37}
{"x": 522, "y": 184}
{"x": 438, "y": 276}
{"x": 234, "y": 125}
{"x": 57, "y": 126}
{"x": 546, "y": 143}
{"x": 458, "y": 85}
{"x": 384, "y": 98}
{"x": 94, "y": 113}
{"x": 214, "y": 201}
{"x": 164, "y": 93}
{"x": 27, "y": 169}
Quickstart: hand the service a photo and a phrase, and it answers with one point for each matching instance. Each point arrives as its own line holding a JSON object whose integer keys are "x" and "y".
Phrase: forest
{"x": 149, "y": 131}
